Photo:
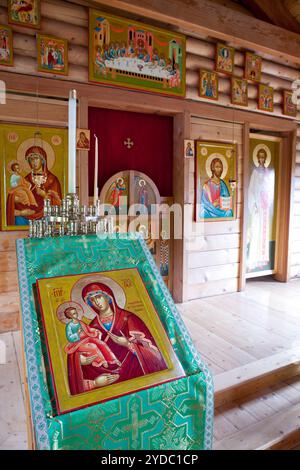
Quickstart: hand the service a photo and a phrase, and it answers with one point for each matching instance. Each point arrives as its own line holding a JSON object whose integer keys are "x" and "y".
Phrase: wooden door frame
{"x": 285, "y": 181}
{"x": 180, "y": 132}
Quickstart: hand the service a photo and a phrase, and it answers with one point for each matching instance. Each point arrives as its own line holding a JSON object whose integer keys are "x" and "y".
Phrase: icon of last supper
{"x": 104, "y": 337}
{"x": 131, "y": 54}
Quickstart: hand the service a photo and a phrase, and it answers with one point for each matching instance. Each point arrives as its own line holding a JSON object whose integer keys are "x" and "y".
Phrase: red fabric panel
{"x": 152, "y": 152}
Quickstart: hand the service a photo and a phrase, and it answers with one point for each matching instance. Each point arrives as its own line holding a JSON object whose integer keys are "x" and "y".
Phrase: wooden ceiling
{"x": 282, "y": 13}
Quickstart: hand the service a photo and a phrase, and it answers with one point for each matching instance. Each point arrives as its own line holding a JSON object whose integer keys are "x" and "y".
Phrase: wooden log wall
{"x": 213, "y": 249}
{"x": 213, "y": 261}
{"x": 213, "y": 254}
{"x": 70, "y": 21}
{"x": 9, "y": 297}
{"x": 51, "y": 112}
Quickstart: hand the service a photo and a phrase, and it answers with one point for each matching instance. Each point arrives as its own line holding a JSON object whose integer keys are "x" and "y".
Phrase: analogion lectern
{"x": 127, "y": 379}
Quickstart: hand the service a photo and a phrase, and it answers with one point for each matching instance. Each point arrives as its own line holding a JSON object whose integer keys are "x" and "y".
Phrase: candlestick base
{"x": 70, "y": 218}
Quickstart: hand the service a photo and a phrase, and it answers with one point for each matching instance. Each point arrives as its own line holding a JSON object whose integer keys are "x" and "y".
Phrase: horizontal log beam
{"x": 115, "y": 98}
{"x": 25, "y": 49}
{"x": 73, "y": 33}
{"x": 204, "y": 49}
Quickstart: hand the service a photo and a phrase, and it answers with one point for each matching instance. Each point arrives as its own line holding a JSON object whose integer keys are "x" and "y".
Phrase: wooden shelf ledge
{"x": 279, "y": 431}
{"x": 249, "y": 378}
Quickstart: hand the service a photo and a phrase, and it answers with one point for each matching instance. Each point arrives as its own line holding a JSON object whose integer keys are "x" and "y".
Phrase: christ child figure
{"x": 87, "y": 341}
{"x": 20, "y": 186}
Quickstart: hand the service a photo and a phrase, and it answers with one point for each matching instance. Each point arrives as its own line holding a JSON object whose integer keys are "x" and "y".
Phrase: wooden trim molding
{"x": 243, "y": 246}
{"x": 181, "y": 131}
{"x": 113, "y": 98}
{"x": 287, "y": 168}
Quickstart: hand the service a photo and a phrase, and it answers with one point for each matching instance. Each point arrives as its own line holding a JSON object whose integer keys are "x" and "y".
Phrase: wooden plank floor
{"x": 234, "y": 329}
{"x": 237, "y": 329}
{"x": 229, "y": 331}
{"x": 241, "y": 415}
{"x": 13, "y": 433}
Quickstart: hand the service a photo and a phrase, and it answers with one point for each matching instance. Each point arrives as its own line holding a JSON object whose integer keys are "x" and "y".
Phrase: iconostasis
{"x": 134, "y": 195}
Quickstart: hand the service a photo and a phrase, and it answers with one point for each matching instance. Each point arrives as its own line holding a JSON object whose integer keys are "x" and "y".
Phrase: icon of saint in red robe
{"x": 117, "y": 192}
{"x": 43, "y": 185}
{"x": 86, "y": 340}
{"x": 125, "y": 335}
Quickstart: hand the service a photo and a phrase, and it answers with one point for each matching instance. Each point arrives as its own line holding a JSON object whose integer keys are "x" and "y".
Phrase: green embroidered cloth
{"x": 174, "y": 415}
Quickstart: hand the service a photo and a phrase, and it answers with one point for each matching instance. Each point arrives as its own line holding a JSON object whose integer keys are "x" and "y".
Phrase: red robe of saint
{"x": 51, "y": 184}
{"x": 142, "y": 358}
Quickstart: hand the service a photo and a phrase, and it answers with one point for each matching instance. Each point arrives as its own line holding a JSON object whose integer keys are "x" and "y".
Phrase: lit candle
{"x": 72, "y": 142}
{"x": 96, "y": 172}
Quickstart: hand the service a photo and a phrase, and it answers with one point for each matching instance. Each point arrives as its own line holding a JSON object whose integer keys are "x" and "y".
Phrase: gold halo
{"x": 62, "y": 307}
{"x": 142, "y": 182}
{"x": 120, "y": 180}
{"x": 210, "y": 159}
{"x": 26, "y": 144}
{"x": 268, "y": 152}
{"x": 76, "y": 293}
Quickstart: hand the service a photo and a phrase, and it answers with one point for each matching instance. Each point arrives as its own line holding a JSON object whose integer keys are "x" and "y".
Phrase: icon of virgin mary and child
{"x": 115, "y": 346}
{"x": 25, "y": 198}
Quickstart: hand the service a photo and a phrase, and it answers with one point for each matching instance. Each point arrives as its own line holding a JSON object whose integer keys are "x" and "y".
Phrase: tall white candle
{"x": 72, "y": 142}
{"x": 96, "y": 171}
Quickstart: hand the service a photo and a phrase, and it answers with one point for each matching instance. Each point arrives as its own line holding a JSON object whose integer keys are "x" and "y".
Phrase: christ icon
{"x": 215, "y": 194}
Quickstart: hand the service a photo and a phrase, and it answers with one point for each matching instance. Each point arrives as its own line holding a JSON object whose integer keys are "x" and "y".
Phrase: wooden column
{"x": 244, "y": 211}
{"x": 180, "y": 193}
{"x": 286, "y": 172}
